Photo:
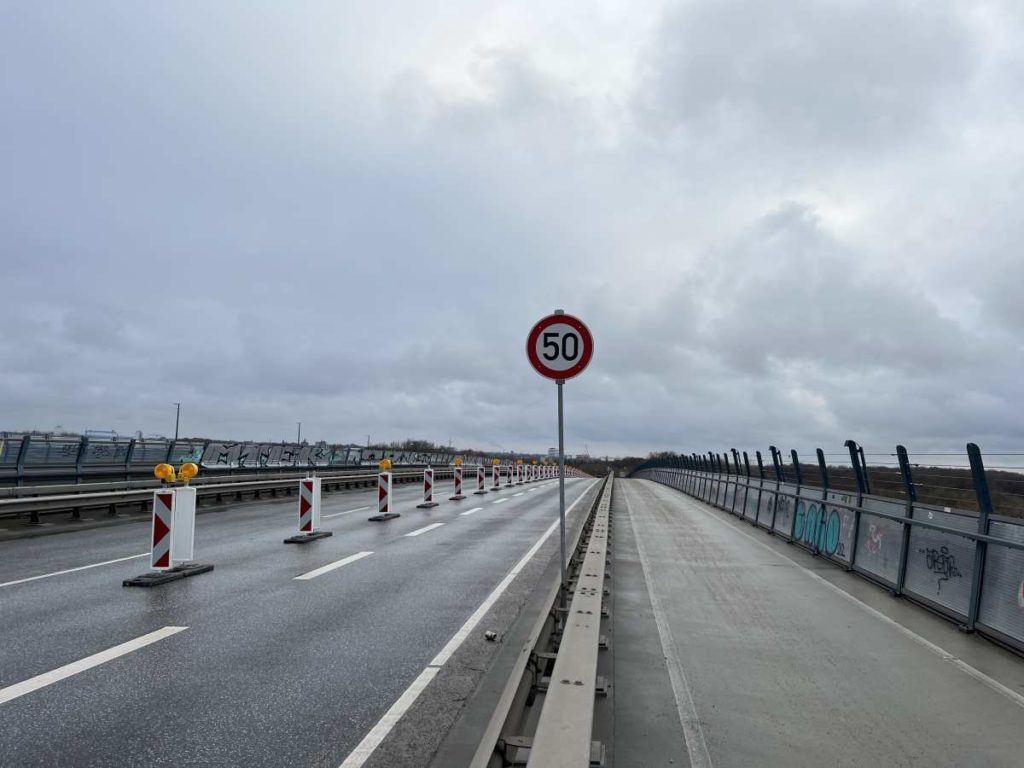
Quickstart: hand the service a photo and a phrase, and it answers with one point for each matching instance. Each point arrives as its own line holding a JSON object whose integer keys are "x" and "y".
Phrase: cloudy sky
{"x": 789, "y": 224}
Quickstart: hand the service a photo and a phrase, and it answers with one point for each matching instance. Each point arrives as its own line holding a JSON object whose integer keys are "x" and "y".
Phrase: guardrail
{"x": 562, "y": 645}
{"x": 966, "y": 567}
{"x": 74, "y": 503}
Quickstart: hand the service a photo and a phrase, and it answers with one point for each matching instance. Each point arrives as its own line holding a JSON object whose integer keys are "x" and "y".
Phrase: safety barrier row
{"x": 969, "y": 568}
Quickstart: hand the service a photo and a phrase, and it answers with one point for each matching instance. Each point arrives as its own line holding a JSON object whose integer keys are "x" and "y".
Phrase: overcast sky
{"x": 786, "y": 223}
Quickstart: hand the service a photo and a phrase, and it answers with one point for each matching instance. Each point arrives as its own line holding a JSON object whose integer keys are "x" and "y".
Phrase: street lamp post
{"x": 177, "y": 418}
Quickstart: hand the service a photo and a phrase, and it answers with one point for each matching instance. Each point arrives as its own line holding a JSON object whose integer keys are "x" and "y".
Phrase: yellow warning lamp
{"x": 495, "y": 462}
{"x": 164, "y": 473}
{"x": 535, "y": 462}
{"x": 458, "y": 461}
{"x": 187, "y": 471}
{"x": 385, "y": 465}
{"x": 519, "y": 461}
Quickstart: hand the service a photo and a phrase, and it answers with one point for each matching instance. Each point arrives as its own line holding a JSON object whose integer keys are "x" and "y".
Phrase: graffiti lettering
{"x": 874, "y": 540}
{"x": 941, "y": 563}
{"x": 819, "y": 527}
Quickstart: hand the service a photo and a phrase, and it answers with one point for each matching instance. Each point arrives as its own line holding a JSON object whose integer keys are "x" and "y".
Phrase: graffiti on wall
{"x": 875, "y": 539}
{"x": 819, "y": 527}
{"x": 941, "y": 563}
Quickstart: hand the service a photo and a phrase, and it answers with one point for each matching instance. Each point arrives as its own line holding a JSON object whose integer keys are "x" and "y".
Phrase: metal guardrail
{"x": 75, "y": 503}
{"x": 505, "y": 741}
{"x": 966, "y": 567}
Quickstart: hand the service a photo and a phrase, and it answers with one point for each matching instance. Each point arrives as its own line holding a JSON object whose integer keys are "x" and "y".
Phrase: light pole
{"x": 177, "y": 418}
{"x": 298, "y": 436}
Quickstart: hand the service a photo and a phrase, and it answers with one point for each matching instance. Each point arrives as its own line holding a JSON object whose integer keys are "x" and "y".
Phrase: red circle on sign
{"x": 585, "y": 350}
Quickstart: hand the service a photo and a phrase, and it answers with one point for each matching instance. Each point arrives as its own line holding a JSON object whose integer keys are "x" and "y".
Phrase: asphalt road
{"x": 269, "y": 670}
{"x": 776, "y": 658}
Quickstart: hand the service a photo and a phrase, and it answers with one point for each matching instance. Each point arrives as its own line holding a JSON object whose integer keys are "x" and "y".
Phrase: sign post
{"x": 559, "y": 347}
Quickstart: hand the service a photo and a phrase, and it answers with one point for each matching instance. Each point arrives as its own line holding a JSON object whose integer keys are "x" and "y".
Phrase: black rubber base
{"x": 156, "y": 578}
{"x": 426, "y": 505}
{"x": 305, "y": 538}
{"x": 460, "y": 497}
{"x": 383, "y": 518}
{"x": 479, "y": 493}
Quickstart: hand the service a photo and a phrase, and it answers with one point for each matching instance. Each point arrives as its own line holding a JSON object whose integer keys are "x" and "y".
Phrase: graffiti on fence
{"x": 819, "y": 527}
{"x": 1020, "y": 595}
{"x": 875, "y": 539}
{"x": 941, "y": 563}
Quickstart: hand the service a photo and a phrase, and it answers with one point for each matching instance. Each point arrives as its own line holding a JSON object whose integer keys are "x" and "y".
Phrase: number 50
{"x": 569, "y": 349}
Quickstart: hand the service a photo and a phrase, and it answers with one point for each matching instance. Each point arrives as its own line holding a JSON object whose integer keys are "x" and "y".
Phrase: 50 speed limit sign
{"x": 559, "y": 346}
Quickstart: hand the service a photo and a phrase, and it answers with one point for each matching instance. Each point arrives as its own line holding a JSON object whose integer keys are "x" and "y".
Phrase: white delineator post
{"x": 309, "y": 512}
{"x": 384, "y": 481}
{"x": 496, "y": 476}
{"x": 481, "y": 481}
{"x": 174, "y": 527}
{"x": 508, "y": 479}
{"x": 428, "y": 490}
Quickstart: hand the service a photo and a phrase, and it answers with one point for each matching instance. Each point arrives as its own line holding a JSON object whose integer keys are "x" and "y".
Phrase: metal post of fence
{"x": 82, "y": 447}
{"x": 711, "y": 476}
{"x": 760, "y": 486}
{"x": 746, "y": 494}
{"x": 822, "y": 518}
{"x": 980, "y": 546}
{"x": 128, "y": 460}
{"x": 864, "y": 469}
{"x": 723, "y": 480}
{"x": 799, "y": 483}
{"x": 857, "y": 460}
{"x": 911, "y": 491}
{"x": 19, "y": 478}
{"x": 736, "y": 464}
{"x": 780, "y": 477}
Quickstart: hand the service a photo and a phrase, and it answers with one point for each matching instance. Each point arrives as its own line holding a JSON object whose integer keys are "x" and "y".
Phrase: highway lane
{"x": 271, "y": 670}
{"x": 772, "y": 666}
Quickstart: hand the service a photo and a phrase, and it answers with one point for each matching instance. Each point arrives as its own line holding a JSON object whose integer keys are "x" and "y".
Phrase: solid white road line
{"x": 693, "y": 734}
{"x": 424, "y": 529}
{"x": 942, "y": 653}
{"x": 347, "y": 512}
{"x": 470, "y": 511}
{"x": 383, "y": 727}
{"x": 499, "y": 501}
{"x": 332, "y": 566}
{"x": 49, "y": 678}
{"x": 72, "y": 570}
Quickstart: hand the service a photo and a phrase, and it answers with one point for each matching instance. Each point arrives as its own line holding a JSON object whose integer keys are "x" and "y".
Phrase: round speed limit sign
{"x": 560, "y": 346}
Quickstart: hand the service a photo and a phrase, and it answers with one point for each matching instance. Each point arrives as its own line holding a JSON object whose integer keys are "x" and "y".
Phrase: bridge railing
{"x": 966, "y": 565}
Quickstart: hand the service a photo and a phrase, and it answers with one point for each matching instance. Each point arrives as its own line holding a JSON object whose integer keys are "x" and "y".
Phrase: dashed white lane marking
{"x": 499, "y": 501}
{"x": 533, "y": 489}
{"x": 346, "y": 512}
{"x": 72, "y": 570}
{"x": 49, "y": 678}
{"x": 332, "y": 566}
{"x": 424, "y": 529}
{"x": 693, "y": 734}
{"x": 379, "y": 732}
{"x": 517, "y": 494}
{"x": 942, "y": 653}
{"x": 470, "y": 511}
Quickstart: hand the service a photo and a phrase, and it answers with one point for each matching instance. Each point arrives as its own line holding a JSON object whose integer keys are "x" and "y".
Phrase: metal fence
{"x": 966, "y": 565}
{"x": 28, "y": 459}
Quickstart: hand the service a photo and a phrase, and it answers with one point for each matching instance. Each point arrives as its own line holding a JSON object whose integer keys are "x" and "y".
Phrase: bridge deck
{"x": 776, "y": 658}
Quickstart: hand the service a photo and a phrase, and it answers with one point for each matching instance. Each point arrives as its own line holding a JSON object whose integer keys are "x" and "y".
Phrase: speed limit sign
{"x": 559, "y": 346}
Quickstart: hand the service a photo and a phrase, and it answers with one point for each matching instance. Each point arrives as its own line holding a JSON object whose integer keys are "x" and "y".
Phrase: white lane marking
{"x": 517, "y": 494}
{"x": 499, "y": 501}
{"x": 470, "y": 511}
{"x": 939, "y": 651}
{"x": 379, "y": 732}
{"x": 346, "y": 512}
{"x": 383, "y": 727}
{"x": 332, "y": 566}
{"x": 49, "y": 678}
{"x": 693, "y": 734}
{"x": 424, "y": 529}
{"x": 72, "y": 570}
{"x": 533, "y": 489}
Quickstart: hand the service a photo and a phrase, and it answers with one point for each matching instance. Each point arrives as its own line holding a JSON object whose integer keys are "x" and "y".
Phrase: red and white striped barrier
{"x": 508, "y": 480}
{"x": 457, "y": 474}
{"x": 172, "y": 537}
{"x": 519, "y": 474}
{"x": 310, "y": 489}
{"x": 496, "y": 476}
{"x": 481, "y": 481}
{"x": 384, "y": 482}
{"x": 428, "y": 490}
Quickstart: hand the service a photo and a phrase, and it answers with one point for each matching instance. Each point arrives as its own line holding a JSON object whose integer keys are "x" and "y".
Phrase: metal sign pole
{"x": 561, "y": 491}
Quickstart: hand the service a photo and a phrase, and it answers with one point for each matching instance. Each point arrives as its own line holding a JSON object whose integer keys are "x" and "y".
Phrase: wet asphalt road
{"x": 774, "y": 667}
{"x": 270, "y": 671}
